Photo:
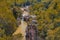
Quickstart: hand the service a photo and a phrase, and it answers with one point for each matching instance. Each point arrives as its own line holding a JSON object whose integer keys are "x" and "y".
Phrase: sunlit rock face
{"x": 25, "y": 14}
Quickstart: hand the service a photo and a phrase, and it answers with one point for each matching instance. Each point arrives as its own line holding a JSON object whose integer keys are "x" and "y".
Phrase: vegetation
{"x": 48, "y": 17}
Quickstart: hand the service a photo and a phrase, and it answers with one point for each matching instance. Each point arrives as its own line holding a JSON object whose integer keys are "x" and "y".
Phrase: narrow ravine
{"x": 23, "y": 27}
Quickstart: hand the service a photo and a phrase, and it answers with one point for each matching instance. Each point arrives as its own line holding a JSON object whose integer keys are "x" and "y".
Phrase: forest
{"x": 48, "y": 18}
